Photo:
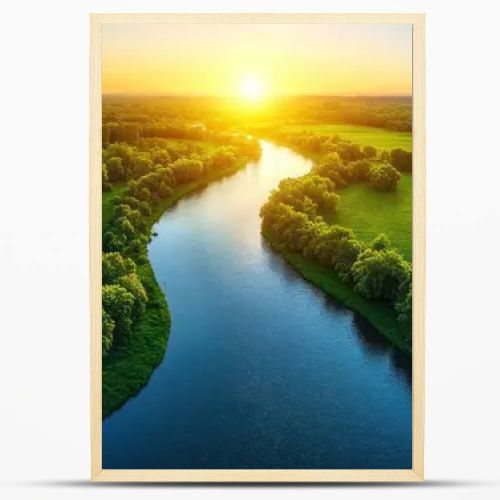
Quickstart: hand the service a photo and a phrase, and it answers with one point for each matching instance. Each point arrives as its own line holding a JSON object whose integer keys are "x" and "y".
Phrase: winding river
{"x": 261, "y": 370}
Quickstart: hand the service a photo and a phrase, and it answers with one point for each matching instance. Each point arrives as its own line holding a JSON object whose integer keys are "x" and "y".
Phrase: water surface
{"x": 262, "y": 370}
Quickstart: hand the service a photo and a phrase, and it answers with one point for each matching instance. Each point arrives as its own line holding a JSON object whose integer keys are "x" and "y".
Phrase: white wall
{"x": 44, "y": 440}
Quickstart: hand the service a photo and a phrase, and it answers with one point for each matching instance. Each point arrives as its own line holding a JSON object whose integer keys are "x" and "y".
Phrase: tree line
{"x": 293, "y": 216}
{"x": 389, "y": 115}
{"x": 123, "y": 162}
{"x": 346, "y": 163}
{"x": 164, "y": 114}
{"x": 153, "y": 168}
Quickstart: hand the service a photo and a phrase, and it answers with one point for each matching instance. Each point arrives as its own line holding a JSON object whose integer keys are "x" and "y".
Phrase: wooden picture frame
{"x": 416, "y": 473}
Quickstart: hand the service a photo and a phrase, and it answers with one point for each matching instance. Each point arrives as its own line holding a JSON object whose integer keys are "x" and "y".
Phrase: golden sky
{"x": 272, "y": 59}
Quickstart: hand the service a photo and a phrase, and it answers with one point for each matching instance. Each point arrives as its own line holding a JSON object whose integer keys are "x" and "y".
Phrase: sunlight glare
{"x": 252, "y": 88}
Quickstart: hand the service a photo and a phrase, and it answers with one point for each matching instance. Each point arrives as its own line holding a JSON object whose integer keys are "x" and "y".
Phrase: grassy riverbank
{"x": 368, "y": 213}
{"x": 127, "y": 369}
{"x": 379, "y": 313}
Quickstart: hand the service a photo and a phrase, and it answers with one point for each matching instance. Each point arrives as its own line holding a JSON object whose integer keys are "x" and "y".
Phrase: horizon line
{"x": 177, "y": 94}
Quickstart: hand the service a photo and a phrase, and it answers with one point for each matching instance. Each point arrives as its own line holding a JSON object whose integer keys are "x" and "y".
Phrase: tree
{"x": 187, "y": 169}
{"x": 384, "y": 177}
{"x": 141, "y": 165}
{"x": 319, "y": 190}
{"x": 105, "y": 181}
{"x": 118, "y": 303}
{"x": 369, "y": 152}
{"x": 334, "y": 246}
{"x": 126, "y": 132}
{"x": 164, "y": 190}
{"x": 115, "y": 266}
{"x": 349, "y": 151}
{"x": 108, "y": 327}
{"x": 115, "y": 169}
{"x": 401, "y": 159}
{"x": 143, "y": 194}
{"x": 332, "y": 167}
{"x": 122, "y": 151}
{"x": 346, "y": 253}
{"x": 133, "y": 215}
{"x": 133, "y": 285}
{"x": 359, "y": 170}
{"x": 381, "y": 242}
{"x": 380, "y": 274}
{"x": 125, "y": 227}
{"x": 250, "y": 148}
{"x": 112, "y": 241}
{"x": 404, "y": 309}
{"x": 106, "y": 133}
{"x": 161, "y": 157}
{"x": 224, "y": 157}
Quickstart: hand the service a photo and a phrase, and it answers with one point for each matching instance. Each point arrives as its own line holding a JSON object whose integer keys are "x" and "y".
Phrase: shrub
{"x": 380, "y": 274}
{"x": 384, "y": 177}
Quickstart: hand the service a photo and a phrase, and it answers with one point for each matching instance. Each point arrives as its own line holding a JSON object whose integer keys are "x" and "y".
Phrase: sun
{"x": 252, "y": 88}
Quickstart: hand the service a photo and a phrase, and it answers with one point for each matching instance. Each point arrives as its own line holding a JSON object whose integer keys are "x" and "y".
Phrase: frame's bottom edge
{"x": 257, "y": 475}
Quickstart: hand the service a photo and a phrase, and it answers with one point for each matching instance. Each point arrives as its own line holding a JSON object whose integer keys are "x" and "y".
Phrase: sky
{"x": 255, "y": 59}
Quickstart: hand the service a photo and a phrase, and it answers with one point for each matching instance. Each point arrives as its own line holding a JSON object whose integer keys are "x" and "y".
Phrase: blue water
{"x": 261, "y": 370}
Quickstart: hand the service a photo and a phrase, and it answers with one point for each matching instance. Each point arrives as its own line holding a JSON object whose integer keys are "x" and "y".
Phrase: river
{"x": 262, "y": 370}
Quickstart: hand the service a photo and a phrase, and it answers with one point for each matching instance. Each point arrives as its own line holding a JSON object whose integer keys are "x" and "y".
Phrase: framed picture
{"x": 257, "y": 247}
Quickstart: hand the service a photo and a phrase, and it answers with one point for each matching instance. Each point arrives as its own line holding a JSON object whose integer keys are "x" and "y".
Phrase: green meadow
{"x": 369, "y": 212}
{"x": 365, "y": 136}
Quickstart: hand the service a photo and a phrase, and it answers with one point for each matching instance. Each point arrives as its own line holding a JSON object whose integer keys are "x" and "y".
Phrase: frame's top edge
{"x": 252, "y": 17}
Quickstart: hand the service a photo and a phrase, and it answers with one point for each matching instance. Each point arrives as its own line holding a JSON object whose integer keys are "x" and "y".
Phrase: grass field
{"x": 369, "y": 212}
{"x": 365, "y": 136}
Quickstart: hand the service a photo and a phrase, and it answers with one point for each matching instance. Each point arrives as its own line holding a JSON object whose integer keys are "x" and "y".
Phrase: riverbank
{"x": 368, "y": 213}
{"x": 378, "y": 313}
{"x": 127, "y": 369}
